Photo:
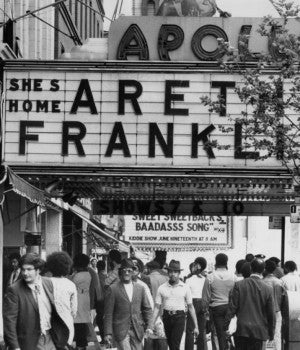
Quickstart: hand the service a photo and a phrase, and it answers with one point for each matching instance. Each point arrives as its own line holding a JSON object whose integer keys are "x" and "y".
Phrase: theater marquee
{"x": 122, "y": 117}
{"x": 178, "y": 232}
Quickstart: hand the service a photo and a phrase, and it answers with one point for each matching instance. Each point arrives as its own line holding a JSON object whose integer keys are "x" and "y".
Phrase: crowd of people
{"x": 57, "y": 303}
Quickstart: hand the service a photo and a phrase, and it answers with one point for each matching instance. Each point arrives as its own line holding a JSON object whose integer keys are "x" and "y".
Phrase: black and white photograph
{"x": 150, "y": 174}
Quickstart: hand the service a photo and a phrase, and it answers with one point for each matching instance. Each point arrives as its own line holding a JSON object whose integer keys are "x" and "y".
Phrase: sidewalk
{"x": 93, "y": 347}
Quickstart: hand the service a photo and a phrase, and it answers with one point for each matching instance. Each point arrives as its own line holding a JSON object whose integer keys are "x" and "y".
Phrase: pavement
{"x": 93, "y": 347}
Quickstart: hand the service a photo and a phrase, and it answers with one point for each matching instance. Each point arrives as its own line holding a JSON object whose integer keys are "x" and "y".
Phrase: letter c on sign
{"x": 200, "y": 34}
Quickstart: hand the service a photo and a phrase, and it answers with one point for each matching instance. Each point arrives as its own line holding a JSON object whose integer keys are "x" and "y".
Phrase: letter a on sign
{"x": 133, "y": 43}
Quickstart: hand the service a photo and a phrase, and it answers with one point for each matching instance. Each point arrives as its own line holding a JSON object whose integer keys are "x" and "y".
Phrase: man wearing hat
{"x": 172, "y": 297}
{"x": 126, "y": 310}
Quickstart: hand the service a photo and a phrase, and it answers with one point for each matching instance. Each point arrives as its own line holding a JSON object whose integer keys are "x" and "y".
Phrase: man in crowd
{"x": 278, "y": 295}
{"x": 291, "y": 280}
{"x": 221, "y": 282}
{"x": 252, "y": 303}
{"x": 279, "y": 270}
{"x": 139, "y": 271}
{"x": 137, "y": 277}
{"x": 157, "y": 278}
{"x": 115, "y": 258}
{"x": 126, "y": 310}
{"x": 30, "y": 318}
{"x": 238, "y": 269}
{"x": 249, "y": 257}
{"x": 196, "y": 283}
{"x": 15, "y": 275}
{"x": 100, "y": 305}
{"x": 173, "y": 296}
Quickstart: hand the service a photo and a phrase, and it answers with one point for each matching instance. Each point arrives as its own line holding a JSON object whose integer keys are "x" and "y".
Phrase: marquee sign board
{"x": 160, "y": 38}
{"x": 189, "y": 232}
{"x": 99, "y": 117}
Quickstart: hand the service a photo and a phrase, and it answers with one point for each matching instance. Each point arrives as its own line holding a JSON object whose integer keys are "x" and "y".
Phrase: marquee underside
{"x": 128, "y": 191}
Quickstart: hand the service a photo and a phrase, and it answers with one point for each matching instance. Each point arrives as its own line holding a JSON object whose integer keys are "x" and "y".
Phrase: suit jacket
{"x": 252, "y": 302}
{"x": 22, "y": 321}
{"x": 119, "y": 312}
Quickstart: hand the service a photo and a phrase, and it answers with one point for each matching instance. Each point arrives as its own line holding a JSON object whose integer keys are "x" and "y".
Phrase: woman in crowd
{"x": 65, "y": 294}
{"x": 82, "y": 279}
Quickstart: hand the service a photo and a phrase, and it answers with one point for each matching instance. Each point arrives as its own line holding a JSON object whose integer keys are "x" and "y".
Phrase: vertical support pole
{"x": 282, "y": 239}
{"x": 1, "y": 276}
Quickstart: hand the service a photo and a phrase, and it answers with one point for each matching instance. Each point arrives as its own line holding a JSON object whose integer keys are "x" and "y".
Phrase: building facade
{"x": 41, "y": 30}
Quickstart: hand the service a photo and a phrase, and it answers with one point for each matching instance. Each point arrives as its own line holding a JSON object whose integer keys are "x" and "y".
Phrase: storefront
{"x": 131, "y": 134}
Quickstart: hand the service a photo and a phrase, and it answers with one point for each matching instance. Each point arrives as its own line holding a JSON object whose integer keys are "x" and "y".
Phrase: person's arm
{"x": 156, "y": 311}
{"x": 153, "y": 320}
{"x": 271, "y": 317}
{"x": 74, "y": 302}
{"x": 206, "y": 294}
{"x": 191, "y": 310}
{"x": 147, "y": 307}
{"x": 10, "y": 318}
{"x": 233, "y": 307}
{"x": 194, "y": 318}
{"x": 109, "y": 304}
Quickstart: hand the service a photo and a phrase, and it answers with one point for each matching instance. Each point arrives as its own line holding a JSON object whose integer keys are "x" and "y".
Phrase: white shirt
{"x": 129, "y": 290}
{"x": 44, "y": 305}
{"x": 291, "y": 281}
{"x": 196, "y": 284}
{"x": 174, "y": 297}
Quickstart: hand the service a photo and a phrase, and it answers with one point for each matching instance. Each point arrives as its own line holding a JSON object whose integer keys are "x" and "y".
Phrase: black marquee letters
{"x": 223, "y": 85}
{"x": 76, "y": 138}
{"x": 243, "y": 44}
{"x": 202, "y": 137}
{"x": 118, "y": 131}
{"x": 132, "y": 96}
{"x": 169, "y": 97}
{"x": 199, "y": 35}
{"x": 84, "y": 86}
{"x": 164, "y": 44}
{"x": 133, "y": 43}
{"x": 154, "y": 133}
{"x": 24, "y": 124}
{"x": 274, "y": 50}
{"x": 238, "y": 153}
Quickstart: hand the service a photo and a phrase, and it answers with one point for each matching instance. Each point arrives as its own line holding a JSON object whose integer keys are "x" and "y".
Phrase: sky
{"x": 238, "y": 8}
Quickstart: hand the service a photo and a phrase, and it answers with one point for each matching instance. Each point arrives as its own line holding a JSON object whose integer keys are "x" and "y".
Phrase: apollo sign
{"x": 189, "y": 38}
{"x": 122, "y": 118}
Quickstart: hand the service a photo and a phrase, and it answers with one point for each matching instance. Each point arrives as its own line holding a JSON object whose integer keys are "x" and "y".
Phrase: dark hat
{"x": 260, "y": 256}
{"x": 174, "y": 265}
{"x": 153, "y": 265}
{"x": 127, "y": 264}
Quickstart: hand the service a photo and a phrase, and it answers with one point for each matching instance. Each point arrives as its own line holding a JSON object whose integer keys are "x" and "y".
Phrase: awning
{"x": 268, "y": 191}
{"x": 121, "y": 245}
{"x": 11, "y": 181}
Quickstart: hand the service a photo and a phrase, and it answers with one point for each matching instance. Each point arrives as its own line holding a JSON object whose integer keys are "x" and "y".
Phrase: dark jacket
{"x": 252, "y": 302}
{"x": 22, "y": 321}
{"x": 119, "y": 312}
{"x": 96, "y": 294}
